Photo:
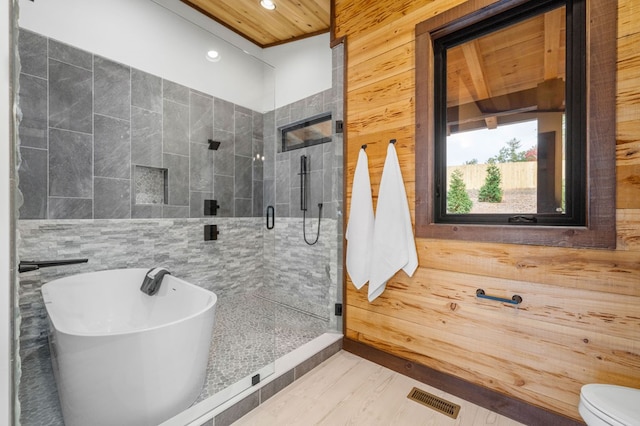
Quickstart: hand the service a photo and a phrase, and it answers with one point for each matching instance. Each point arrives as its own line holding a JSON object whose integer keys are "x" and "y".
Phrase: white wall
{"x": 151, "y": 37}
{"x": 303, "y": 68}
{"x": 5, "y": 202}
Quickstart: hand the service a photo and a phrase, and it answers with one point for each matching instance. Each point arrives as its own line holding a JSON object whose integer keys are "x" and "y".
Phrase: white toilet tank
{"x": 602, "y": 405}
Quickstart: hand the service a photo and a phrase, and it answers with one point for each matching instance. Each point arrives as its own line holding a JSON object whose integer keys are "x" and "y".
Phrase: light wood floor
{"x": 349, "y": 390}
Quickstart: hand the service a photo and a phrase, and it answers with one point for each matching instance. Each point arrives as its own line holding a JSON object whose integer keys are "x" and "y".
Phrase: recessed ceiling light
{"x": 268, "y": 4}
{"x": 213, "y": 56}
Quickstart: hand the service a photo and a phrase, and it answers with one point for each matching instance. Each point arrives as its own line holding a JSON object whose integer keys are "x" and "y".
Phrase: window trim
{"x": 600, "y": 231}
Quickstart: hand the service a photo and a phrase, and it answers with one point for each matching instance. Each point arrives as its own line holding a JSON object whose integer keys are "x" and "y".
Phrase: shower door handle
{"x": 271, "y": 214}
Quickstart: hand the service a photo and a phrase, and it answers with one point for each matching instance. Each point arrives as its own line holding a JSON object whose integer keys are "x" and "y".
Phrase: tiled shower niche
{"x": 151, "y": 185}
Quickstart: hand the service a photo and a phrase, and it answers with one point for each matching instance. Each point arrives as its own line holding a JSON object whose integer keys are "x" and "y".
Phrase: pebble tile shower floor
{"x": 245, "y": 338}
{"x": 249, "y": 333}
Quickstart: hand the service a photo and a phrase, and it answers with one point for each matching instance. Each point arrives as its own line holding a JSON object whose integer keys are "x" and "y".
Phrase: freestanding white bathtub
{"x": 121, "y": 357}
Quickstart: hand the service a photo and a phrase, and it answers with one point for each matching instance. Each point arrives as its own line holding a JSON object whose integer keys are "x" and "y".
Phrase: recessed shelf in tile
{"x": 150, "y": 185}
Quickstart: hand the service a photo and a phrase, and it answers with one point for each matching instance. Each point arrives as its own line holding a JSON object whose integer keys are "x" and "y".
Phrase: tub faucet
{"x": 153, "y": 279}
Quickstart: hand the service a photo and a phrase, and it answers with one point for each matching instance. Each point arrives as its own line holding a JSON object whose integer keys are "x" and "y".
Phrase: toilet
{"x": 609, "y": 405}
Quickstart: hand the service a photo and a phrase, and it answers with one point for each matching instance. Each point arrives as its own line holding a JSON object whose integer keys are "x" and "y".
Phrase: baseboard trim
{"x": 507, "y": 406}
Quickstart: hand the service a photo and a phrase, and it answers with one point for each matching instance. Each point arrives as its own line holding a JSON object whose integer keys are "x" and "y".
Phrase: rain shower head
{"x": 213, "y": 145}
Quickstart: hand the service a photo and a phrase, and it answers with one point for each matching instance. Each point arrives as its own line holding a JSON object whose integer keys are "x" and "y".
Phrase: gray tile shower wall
{"x": 229, "y": 266}
{"x": 300, "y": 275}
{"x": 281, "y": 182}
{"x": 87, "y": 121}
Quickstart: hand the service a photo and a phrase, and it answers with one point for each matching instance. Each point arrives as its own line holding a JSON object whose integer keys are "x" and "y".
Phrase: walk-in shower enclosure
{"x": 116, "y": 133}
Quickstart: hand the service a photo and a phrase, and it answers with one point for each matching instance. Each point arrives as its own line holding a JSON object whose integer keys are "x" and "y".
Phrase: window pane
{"x": 308, "y": 132}
{"x": 505, "y": 125}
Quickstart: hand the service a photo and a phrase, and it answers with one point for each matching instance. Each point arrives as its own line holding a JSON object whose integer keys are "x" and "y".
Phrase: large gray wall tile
{"x": 283, "y": 180}
{"x": 175, "y": 211}
{"x": 146, "y": 90}
{"x": 70, "y": 164}
{"x": 294, "y": 203}
{"x": 269, "y": 145}
{"x": 258, "y": 209}
{"x": 269, "y": 193}
{"x": 201, "y": 168}
{"x": 298, "y": 111}
{"x": 314, "y": 194}
{"x": 243, "y": 133}
{"x": 257, "y": 169}
{"x": 243, "y": 177}
{"x": 201, "y": 118}
{"x": 328, "y": 171}
{"x": 70, "y": 208}
{"x": 175, "y": 128}
{"x": 112, "y": 88}
{"x": 70, "y": 97}
{"x": 258, "y": 152}
{"x": 112, "y": 148}
{"x": 223, "y": 157}
{"x": 175, "y": 92}
{"x": 224, "y": 115}
{"x": 223, "y": 192}
{"x": 243, "y": 207}
{"x": 178, "y": 171}
{"x": 33, "y": 53}
{"x": 196, "y": 203}
{"x": 146, "y": 211}
{"x": 112, "y": 198}
{"x": 70, "y": 55}
{"x": 314, "y": 105}
{"x": 33, "y": 104}
{"x": 33, "y": 183}
{"x": 146, "y": 137}
{"x": 258, "y": 125}
{"x": 283, "y": 116}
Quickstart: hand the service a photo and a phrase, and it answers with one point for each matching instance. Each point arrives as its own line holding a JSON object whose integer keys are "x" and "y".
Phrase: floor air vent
{"x": 441, "y": 405}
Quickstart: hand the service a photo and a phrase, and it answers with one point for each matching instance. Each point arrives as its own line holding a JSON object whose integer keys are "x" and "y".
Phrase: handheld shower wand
{"x": 304, "y": 189}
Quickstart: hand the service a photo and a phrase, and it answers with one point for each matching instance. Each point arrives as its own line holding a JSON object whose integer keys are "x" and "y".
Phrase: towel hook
{"x": 364, "y": 146}
{"x": 393, "y": 141}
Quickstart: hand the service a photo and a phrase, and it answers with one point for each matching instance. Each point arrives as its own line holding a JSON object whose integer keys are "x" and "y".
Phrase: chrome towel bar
{"x": 515, "y": 299}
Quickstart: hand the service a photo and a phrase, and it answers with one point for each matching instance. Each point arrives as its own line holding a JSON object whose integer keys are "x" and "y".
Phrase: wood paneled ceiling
{"x": 291, "y": 20}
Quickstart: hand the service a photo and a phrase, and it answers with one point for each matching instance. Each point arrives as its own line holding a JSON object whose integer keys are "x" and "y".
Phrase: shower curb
{"x": 289, "y": 368}
{"x": 243, "y": 407}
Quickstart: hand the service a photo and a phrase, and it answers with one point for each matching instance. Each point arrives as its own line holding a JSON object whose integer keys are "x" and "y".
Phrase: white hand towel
{"x": 359, "y": 233}
{"x": 394, "y": 247}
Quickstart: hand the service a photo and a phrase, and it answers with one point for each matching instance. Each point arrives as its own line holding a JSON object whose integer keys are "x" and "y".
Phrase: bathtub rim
{"x": 45, "y": 294}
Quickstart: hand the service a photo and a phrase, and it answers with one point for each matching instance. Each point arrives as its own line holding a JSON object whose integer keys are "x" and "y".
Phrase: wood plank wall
{"x": 580, "y": 319}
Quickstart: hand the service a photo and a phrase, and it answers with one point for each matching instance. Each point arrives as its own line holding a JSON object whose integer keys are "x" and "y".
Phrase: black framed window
{"x": 574, "y": 202}
{"x": 310, "y": 131}
{"x": 509, "y": 118}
